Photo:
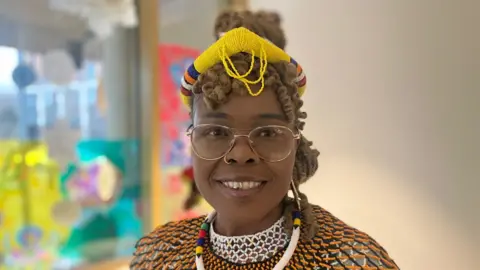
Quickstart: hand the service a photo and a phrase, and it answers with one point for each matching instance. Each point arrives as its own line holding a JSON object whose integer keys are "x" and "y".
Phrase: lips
{"x": 241, "y": 186}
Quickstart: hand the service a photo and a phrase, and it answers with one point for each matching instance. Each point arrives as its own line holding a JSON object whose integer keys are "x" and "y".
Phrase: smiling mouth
{"x": 242, "y": 185}
{"x": 241, "y": 189}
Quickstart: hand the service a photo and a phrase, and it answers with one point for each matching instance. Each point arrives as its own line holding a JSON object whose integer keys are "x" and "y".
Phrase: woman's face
{"x": 213, "y": 177}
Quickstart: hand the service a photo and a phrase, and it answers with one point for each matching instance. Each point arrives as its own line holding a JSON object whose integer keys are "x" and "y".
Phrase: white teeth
{"x": 241, "y": 185}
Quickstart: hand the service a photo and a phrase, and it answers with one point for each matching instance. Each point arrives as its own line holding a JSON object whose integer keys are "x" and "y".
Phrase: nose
{"x": 241, "y": 153}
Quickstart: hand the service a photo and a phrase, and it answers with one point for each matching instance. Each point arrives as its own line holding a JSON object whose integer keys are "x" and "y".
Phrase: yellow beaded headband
{"x": 232, "y": 42}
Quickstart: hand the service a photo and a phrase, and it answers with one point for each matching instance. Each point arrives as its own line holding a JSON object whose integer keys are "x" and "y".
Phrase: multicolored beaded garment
{"x": 335, "y": 246}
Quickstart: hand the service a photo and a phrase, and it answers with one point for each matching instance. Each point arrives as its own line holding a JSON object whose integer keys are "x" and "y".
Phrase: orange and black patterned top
{"x": 336, "y": 246}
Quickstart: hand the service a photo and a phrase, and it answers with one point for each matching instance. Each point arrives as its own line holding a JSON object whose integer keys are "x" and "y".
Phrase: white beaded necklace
{"x": 252, "y": 248}
{"x": 279, "y": 266}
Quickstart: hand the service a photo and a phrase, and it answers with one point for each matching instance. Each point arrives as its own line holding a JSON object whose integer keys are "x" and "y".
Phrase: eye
{"x": 216, "y": 132}
{"x": 268, "y": 132}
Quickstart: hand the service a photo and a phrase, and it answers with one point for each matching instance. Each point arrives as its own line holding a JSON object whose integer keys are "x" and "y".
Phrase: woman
{"x": 266, "y": 24}
{"x": 244, "y": 94}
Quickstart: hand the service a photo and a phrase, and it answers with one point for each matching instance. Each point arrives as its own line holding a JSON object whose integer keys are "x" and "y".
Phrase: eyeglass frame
{"x": 296, "y": 136}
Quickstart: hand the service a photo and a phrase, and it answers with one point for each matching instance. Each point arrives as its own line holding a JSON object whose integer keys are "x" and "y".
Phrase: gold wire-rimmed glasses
{"x": 272, "y": 143}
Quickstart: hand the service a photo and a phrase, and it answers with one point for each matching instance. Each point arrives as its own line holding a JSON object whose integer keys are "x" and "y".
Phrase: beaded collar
{"x": 250, "y": 248}
{"x": 281, "y": 264}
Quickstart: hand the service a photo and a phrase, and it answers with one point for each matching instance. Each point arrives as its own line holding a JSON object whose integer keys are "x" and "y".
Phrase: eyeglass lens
{"x": 272, "y": 143}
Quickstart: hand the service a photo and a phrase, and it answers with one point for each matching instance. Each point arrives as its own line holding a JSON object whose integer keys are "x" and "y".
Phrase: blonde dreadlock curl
{"x": 215, "y": 87}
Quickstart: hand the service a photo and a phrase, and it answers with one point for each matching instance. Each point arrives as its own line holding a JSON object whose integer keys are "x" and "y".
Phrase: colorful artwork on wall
{"x": 29, "y": 188}
{"x": 87, "y": 214}
{"x": 174, "y": 121}
{"x": 106, "y": 184}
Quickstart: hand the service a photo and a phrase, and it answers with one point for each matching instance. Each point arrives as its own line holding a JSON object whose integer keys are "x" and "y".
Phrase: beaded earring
{"x": 296, "y": 195}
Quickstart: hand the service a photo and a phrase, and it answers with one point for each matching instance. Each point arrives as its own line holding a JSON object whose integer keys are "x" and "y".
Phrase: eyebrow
{"x": 275, "y": 116}
{"x": 218, "y": 115}
{"x": 221, "y": 115}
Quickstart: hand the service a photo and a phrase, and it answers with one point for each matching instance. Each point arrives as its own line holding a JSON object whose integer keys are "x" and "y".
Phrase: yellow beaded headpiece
{"x": 232, "y": 42}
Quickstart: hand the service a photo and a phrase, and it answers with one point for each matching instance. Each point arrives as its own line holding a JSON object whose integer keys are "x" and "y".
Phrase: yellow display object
{"x": 29, "y": 188}
{"x": 107, "y": 182}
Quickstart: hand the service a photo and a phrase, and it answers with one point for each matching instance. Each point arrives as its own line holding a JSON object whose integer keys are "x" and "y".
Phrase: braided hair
{"x": 263, "y": 23}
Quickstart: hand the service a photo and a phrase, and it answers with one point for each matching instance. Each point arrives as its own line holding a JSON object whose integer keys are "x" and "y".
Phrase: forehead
{"x": 243, "y": 108}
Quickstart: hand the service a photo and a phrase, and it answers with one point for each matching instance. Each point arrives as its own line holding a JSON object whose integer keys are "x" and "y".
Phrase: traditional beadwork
{"x": 296, "y": 219}
{"x": 335, "y": 246}
{"x": 232, "y": 42}
{"x": 296, "y": 215}
{"x": 201, "y": 238}
{"x": 254, "y": 248}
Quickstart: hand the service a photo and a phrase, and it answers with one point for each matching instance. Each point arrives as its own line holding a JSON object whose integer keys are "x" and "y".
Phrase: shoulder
{"x": 345, "y": 246}
{"x": 170, "y": 246}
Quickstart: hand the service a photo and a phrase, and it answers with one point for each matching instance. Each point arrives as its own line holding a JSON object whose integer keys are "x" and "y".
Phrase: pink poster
{"x": 174, "y": 118}
{"x": 174, "y": 121}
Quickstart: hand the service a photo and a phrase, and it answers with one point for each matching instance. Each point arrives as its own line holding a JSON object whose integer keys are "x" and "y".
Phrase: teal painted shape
{"x": 119, "y": 152}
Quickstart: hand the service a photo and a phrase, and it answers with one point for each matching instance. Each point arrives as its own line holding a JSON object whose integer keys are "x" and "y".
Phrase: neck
{"x": 228, "y": 225}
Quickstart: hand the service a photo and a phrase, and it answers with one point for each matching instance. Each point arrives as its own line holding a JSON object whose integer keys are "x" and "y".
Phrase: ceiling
{"x": 31, "y": 25}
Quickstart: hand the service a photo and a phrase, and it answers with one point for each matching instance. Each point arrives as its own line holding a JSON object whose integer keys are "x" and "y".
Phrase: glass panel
{"x": 186, "y": 28}
{"x": 69, "y": 194}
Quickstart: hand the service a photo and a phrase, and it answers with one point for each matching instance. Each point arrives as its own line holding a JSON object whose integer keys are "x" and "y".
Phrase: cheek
{"x": 202, "y": 169}
{"x": 283, "y": 170}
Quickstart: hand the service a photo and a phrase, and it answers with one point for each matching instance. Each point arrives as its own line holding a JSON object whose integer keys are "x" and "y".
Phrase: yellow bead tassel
{"x": 233, "y": 72}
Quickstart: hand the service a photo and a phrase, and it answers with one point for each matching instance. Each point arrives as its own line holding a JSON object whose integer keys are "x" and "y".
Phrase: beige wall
{"x": 392, "y": 96}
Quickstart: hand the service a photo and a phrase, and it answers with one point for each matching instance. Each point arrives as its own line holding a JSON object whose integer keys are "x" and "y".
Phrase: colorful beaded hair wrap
{"x": 232, "y": 42}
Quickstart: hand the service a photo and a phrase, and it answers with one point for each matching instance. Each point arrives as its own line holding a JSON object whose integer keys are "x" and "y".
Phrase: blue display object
{"x": 23, "y": 76}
